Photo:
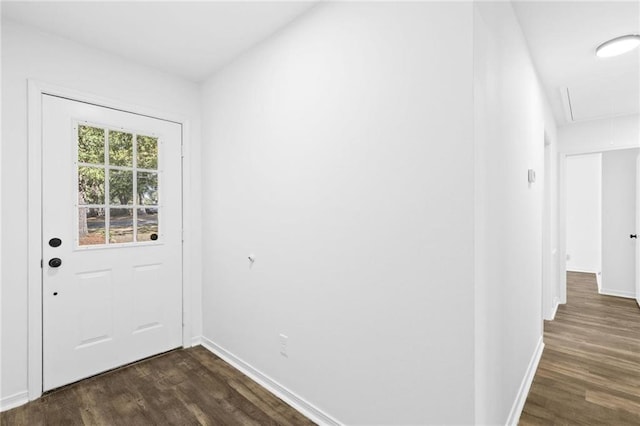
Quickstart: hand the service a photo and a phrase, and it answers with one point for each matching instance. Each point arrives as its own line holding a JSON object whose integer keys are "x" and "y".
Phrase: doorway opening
{"x": 600, "y": 219}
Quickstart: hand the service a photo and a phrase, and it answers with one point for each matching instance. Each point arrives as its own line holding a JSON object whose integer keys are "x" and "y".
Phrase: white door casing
{"x": 637, "y": 230}
{"x": 107, "y": 304}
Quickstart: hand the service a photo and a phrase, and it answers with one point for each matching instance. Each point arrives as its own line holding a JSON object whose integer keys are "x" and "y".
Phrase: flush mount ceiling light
{"x": 618, "y": 46}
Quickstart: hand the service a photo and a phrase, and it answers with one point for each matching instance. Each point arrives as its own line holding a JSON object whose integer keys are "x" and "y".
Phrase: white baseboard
{"x": 13, "y": 401}
{"x": 599, "y": 280}
{"x": 554, "y": 310}
{"x": 521, "y": 398}
{"x": 196, "y": 340}
{"x": 583, "y": 271}
{"x": 617, "y": 293}
{"x": 304, "y": 407}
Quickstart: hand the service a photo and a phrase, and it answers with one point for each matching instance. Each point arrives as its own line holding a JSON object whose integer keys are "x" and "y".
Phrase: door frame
{"x": 35, "y": 91}
{"x": 562, "y": 208}
{"x": 637, "y": 254}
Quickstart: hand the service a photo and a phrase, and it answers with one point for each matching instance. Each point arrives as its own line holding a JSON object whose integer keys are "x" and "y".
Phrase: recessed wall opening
{"x": 601, "y": 218}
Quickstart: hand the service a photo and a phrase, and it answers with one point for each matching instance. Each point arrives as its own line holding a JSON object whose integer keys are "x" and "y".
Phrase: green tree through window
{"x": 119, "y": 172}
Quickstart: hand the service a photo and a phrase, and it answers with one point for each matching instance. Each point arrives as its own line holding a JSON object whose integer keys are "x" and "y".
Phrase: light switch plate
{"x": 531, "y": 175}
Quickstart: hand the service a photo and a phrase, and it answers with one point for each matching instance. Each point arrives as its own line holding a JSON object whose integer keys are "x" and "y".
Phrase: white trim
{"x": 617, "y": 293}
{"x": 527, "y": 380}
{"x": 13, "y": 401}
{"x": 90, "y": 98}
{"x": 554, "y": 310}
{"x": 580, "y": 151}
{"x": 187, "y": 244}
{"x": 582, "y": 271}
{"x": 34, "y": 271}
{"x": 34, "y": 235}
{"x": 599, "y": 280}
{"x": 300, "y": 404}
{"x": 196, "y": 340}
{"x": 562, "y": 226}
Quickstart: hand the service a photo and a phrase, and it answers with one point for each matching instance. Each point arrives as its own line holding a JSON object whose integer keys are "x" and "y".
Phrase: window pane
{"x": 147, "y": 188}
{"x": 121, "y": 187}
{"x": 120, "y": 149}
{"x": 90, "y": 145}
{"x": 147, "y": 152}
{"x": 120, "y": 226}
{"x": 91, "y": 229}
{"x": 148, "y": 224}
{"x": 90, "y": 185}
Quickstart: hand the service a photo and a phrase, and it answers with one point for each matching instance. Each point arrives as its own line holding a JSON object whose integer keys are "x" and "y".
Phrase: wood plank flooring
{"x": 182, "y": 387}
{"x": 589, "y": 373}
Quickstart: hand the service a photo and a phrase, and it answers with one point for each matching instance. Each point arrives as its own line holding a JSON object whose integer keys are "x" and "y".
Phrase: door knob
{"x": 633, "y": 236}
{"x": 55, "y": 262}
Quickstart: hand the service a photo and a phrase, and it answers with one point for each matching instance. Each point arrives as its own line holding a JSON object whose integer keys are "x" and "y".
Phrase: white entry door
{"x": 112, "y": 239}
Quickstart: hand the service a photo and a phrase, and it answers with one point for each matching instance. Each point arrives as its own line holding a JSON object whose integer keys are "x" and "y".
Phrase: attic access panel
{"x": 601, "y": 99}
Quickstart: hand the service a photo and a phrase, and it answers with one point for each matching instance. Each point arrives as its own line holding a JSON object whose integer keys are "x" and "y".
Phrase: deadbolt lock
{"x": 55, "y": 262}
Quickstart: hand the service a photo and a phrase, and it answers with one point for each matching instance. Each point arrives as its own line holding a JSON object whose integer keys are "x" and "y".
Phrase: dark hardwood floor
{"x": 589, "y": 373}
{"x": 182, "y": 387}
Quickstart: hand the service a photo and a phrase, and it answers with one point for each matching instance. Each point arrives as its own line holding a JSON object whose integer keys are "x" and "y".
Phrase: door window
{"x": 117, "y": 181}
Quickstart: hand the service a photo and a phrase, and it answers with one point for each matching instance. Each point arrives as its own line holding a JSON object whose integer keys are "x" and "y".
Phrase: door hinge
{"x": 183, "y": 235}
{"x": 41, "y": 263}
{"x": 182, "y": 151}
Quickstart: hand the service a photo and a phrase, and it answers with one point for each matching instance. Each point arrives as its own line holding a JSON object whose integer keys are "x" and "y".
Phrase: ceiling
{"x": 562, "y": 37}
{"x": 195, "y": 39}
{"x": 189, "y": 39}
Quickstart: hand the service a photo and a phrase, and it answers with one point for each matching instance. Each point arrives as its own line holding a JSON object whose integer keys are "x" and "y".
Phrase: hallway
{"x": 590, "y": 369}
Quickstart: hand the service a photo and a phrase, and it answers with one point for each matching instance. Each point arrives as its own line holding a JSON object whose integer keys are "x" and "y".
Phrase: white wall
{"x": 27, "y": 53}
{"x": 340, "y": 153}
{"x": 584, "y": 213}
{"x": 550, "y": 247}
{"x": 511, "y": 117}
{"x": 401, "y": 256}
{"x": 551, "y": 269}
{"x": 618, "y": 222}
